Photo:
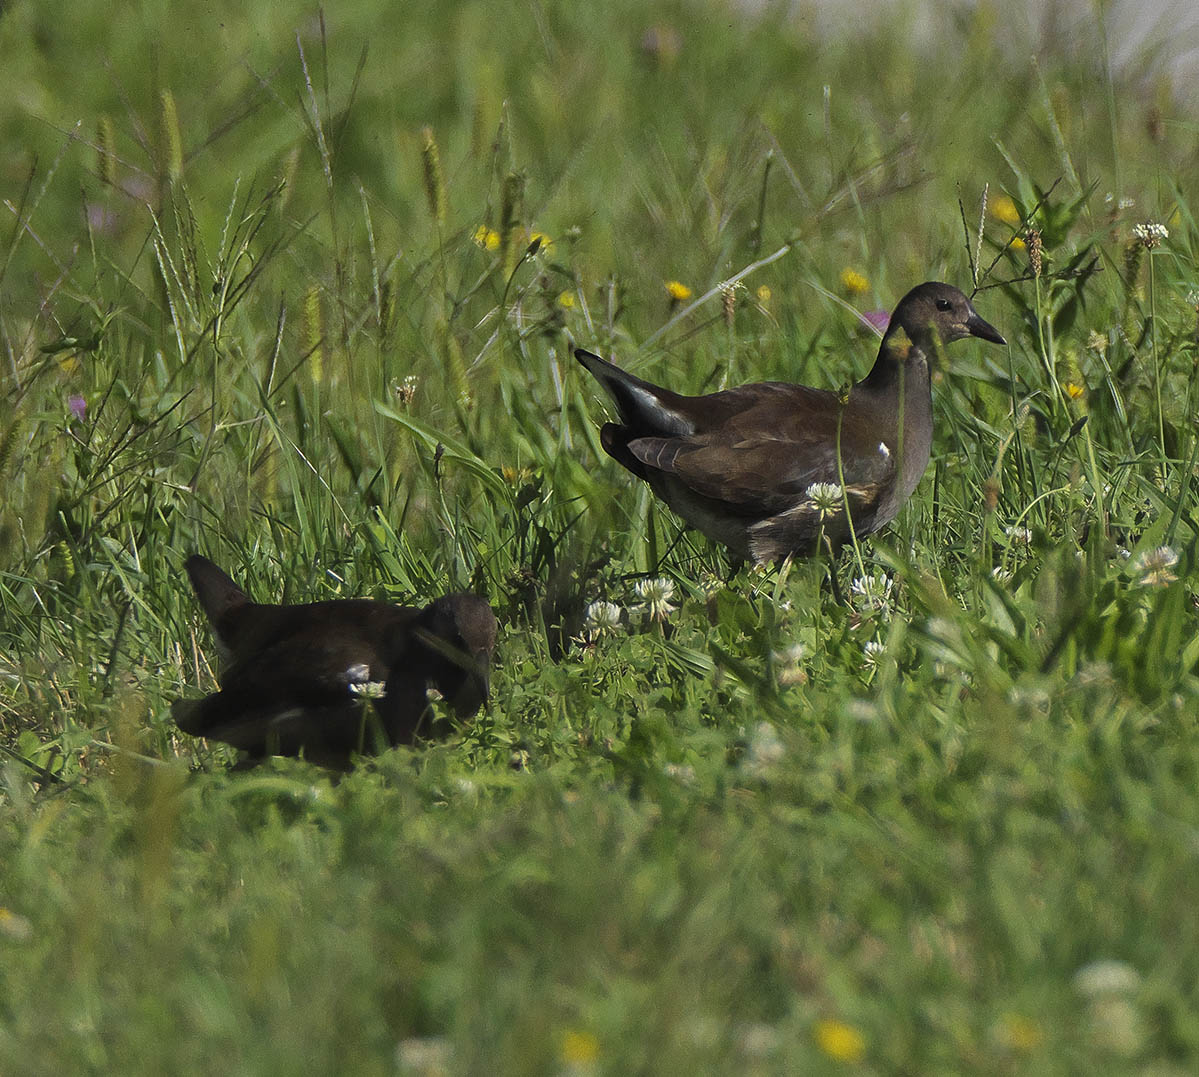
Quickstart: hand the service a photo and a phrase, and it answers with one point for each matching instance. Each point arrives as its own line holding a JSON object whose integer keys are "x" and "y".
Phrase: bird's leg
{"x": 834, "y": 583}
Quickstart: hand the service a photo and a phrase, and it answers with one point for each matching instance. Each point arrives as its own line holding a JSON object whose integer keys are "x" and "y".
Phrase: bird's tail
{"x": 646, "y": 408}
{"x": 218, "y": 594}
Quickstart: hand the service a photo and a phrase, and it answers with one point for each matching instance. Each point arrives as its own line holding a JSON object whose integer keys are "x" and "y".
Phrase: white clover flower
{"x": 765, "y": 749}
{"x": 1001, "y": 575}
{"x": 683, "y": 773}
{"x": 424, "y": 1055}
{"x": 789, "y": 656}
{"x": 15, "y": 926}
{"x": 1150, "y": 234}
{"x": 601, "y": 619}
{"x": 1096, "y": 342}
{"x": 788, "y": 662}
{"x": 359, "y": 682}
{"x": 1018, "y": 536}
{"x": 872, "y": 654}
{"x": 655, "y": 598}
{"x": 1155, "y": 567}
{"x": 826, "y": 496}
{"x": 1106, "y": 977}
{"x": 873, "y": 592}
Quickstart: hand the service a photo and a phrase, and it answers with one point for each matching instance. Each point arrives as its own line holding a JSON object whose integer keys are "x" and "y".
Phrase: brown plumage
{"x": 297, "y": 678}
{"x": 740, "y": 465}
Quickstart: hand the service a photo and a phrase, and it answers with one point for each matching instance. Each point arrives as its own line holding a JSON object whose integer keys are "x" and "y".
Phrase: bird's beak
{"x": 978, "y": 328}
{"x": 475, "y": 690}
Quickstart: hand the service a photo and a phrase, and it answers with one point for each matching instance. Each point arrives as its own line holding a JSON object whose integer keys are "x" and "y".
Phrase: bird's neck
{"x": 899, "y": 394}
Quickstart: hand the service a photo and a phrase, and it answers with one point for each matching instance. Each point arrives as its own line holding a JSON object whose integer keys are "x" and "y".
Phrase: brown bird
{"x": 303, "y": 678}
{"x": 767, "y": 468}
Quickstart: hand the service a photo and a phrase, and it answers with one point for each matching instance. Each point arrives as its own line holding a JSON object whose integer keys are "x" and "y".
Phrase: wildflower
{"x": 427, "y": 1056}
{"x": 566, "y": 300}
{"x": 874, "y": 591}
{"x": 1035, "y": 249}
{"x": 1096, "y": 342}
{"x": 655, "y": 598}
{"x": 683, "y": 773}
{"x": 1019, "y": 1033}
{"x": 1110, "y": 986}
{"x": 759, "y": 1040}
{"x": 1106, "y": 977}
{"x": 854, "y": 282}
{"x": 579, "y": 1048}
{"x": 1155, "y": 567}
{"x": 878, "y": 320}
{"x": 539, "y": 241}
{"x": 1001, "y": 575}
{"x": 763, "y": 294}
{"x": 789, "y": 669}
{"x": 839, "y": 1041}
{"x": 77, "y": 406}
{"x": 601, "y": 619}
{"x": 1018, "y": 536}
{"x": 1150, "y": 234}
{"x": 406, "y": 390}
{"x": 677, "y": 291}
{"x": 1073, "y": 390}
{"x": 516, "y": 476}
{"x": 728, "y": 301}
{"x": 14, "y": 925}
{"x": 825, "y": 496}
{"x": 1005, "y": 210}
{"x": 872, "y": 654}
{"x": 487, "y": 238}
{"x": 765, "y": 750}
{"x": 369, "y": 689}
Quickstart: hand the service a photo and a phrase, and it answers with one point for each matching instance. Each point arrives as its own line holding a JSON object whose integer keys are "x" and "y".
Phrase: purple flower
{"x": 878, "y": 320}
{"x": 77, "y": 406}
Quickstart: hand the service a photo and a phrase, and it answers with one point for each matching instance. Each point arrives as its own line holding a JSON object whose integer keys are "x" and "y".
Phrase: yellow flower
{"x": 1004, "y": 209}
{"x": 1018, "y": 244}
{"x": 487, "y": 238}
{"x": 839, "y": 1041}
{"x": 566, "y": 300}
{"x": 763, "y": 295}
{"x": 579, "y": 1048}
{"x": 853, "y": 281}
{"x": 677, "y": 291}
{"x": 544, "y": 242}
{"x": 1019, "y": 1033}
{"x": 1073, "y": 389}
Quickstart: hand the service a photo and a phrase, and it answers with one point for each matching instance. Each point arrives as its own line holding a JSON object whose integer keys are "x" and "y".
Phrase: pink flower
{"x": 77, "y": 406}
{"x": 878, "y": 320}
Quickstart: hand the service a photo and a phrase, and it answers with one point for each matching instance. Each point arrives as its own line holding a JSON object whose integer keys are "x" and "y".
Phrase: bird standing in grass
{"x": 768, "y": 469}
{"x": 330, "y": 679}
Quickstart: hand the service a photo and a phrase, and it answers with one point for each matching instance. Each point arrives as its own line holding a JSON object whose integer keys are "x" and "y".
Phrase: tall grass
{"x": 299, "y": 291}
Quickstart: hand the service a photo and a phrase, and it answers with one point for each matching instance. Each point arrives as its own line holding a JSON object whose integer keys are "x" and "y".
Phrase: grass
{"x": 270, "y": 290}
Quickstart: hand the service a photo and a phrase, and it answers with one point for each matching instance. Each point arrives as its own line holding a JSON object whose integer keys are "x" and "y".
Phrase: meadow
{"x": 298, "y": 290}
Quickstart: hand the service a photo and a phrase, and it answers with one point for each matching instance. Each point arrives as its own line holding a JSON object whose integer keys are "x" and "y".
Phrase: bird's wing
{"x": 755, "y": 470}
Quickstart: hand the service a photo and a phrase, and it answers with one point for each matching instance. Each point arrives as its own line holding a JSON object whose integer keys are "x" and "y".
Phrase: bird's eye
{"x": 943, "y": 304}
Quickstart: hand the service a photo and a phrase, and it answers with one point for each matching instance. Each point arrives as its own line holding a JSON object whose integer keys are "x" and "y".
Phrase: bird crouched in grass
{"x": 333, "y": 678}
{"x": 767, "y": 469}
